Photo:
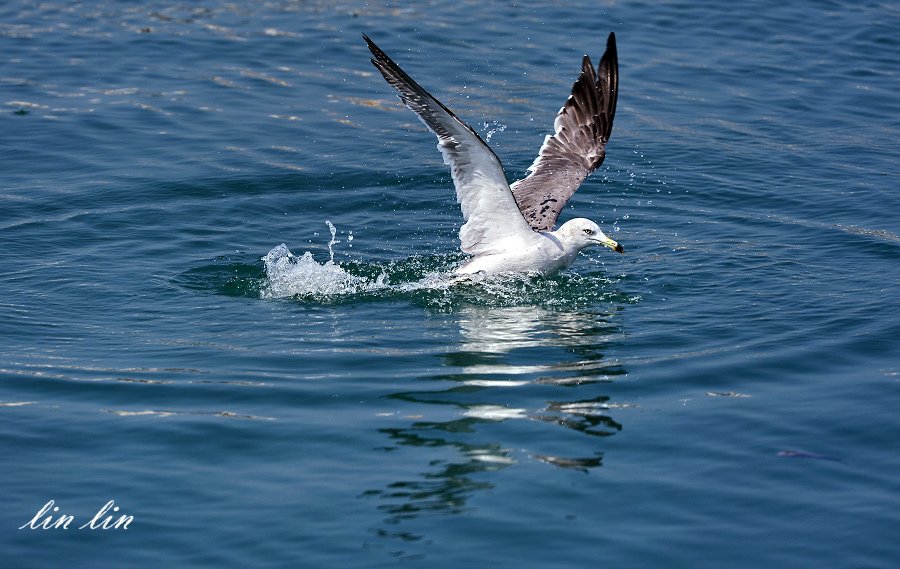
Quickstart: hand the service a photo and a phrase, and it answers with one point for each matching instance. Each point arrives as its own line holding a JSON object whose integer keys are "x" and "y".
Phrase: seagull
{"x": 510, "y": 228}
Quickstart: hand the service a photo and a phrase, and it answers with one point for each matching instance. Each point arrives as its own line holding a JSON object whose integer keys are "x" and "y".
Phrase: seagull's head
{"x": 584, "y": 233}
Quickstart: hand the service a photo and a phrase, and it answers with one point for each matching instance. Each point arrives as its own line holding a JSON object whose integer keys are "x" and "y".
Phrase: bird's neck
{"x": 568, "y": 247}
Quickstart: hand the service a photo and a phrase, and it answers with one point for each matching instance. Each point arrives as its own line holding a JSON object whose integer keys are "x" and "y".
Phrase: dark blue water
{"x": 723, "y": 395}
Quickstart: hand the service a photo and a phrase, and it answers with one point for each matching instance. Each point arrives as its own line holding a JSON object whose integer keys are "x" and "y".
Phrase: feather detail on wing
{"x": 493, "y": 220}
{"x": 578, "y": 145}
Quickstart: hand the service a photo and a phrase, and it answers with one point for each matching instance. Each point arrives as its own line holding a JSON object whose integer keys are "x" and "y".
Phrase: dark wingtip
{"x": 612, "y": 53}
{"x": 619, "y": 248}
{"x": 380, "y": 56}
{"x": 608, "y": 81}
{"x": 373, "y": 47}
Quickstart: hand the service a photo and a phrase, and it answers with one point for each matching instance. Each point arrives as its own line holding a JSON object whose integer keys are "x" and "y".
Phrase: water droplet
{"x": 333, "y": 241}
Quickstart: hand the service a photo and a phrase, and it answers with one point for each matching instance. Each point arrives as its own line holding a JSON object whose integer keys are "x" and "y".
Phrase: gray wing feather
{"x": 578, "y": 145}
{"x": 493, "y": 218}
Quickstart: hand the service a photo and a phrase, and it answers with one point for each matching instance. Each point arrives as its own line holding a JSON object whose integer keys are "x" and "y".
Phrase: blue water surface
{"x": 725, "y": 394}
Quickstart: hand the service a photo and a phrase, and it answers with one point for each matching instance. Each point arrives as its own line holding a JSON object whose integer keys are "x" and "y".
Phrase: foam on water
{"x": 289, "y": 275}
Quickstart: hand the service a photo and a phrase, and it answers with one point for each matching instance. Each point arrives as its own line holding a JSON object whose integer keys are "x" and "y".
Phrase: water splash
{"x": 333, "y": 241}
{"x": 288, "y": 275}
{"x": 493, "y": 128}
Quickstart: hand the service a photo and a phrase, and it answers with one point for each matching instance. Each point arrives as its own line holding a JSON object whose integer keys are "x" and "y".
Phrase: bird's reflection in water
{"x": 514, "y": 371}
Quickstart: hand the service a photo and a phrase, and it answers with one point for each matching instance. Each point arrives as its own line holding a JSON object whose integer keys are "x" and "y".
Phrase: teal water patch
{"x": 420, "y": 279}
{"x": 425, "y": 280}
{"x": 226, "y": 275}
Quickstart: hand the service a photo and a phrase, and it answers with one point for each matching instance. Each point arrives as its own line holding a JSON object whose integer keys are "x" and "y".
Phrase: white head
{"x": 583, "y": 233}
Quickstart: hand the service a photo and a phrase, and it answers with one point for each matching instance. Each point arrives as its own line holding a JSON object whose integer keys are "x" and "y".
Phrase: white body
{"x": 546, "y": 254}
{"x": 544, "y": 251}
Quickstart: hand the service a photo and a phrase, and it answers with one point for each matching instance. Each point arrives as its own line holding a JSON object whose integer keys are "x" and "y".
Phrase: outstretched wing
{"x": 578, "y": 145}
{"x": 493, "y": 220}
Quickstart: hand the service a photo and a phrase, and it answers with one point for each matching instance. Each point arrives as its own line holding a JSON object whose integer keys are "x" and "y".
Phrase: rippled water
{"x": 227, "y": 303}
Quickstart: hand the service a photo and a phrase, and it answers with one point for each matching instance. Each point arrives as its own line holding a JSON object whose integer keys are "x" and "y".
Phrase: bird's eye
{"x": 588, "y": 231}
